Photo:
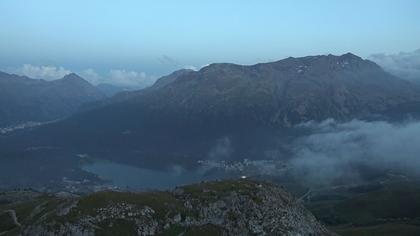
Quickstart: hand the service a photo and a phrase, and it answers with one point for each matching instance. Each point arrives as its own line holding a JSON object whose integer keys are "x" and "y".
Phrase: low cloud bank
{"x": 44, "y": 72}
{"x": 130, "y": 78}
{"x": 117, "y": 77}
{"x": 405, "y": 65}
{"x": 351, "y": 151}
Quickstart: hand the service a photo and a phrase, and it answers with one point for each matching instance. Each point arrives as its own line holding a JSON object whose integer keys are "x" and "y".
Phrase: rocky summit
{"x": 231, "y": 207}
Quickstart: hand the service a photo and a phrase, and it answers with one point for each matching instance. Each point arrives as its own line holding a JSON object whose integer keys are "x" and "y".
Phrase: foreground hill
{"x": 242, "y": 110}
{"x": 389, "y": 206}
{"x": 213, "y": 208}
{"x": 23, "y": 99}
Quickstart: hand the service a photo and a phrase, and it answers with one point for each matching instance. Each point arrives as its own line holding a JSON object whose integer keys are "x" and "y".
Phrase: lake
{"x": 136, "y": 178}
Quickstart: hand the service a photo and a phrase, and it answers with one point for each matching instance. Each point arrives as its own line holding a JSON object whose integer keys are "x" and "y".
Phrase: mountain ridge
{"x": 281, "y": 76}
{"x": 24, "y": 99}
{"x": 230, "y": 207}
{"x": 183, "y": 117}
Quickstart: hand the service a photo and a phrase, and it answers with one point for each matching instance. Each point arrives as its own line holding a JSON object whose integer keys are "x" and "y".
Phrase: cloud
{"x": 119, "y": 77}
{"x": 405, "y": 65}
{"x": 92, "y": 76}
{"x": 334, "y": 152}
{"x": 189, "y": 67}
{"x": 222, "y": 150}
{"x": 43, "y": 72}
{"x": 130, "y": 78}
{"x": 205, "y": 65}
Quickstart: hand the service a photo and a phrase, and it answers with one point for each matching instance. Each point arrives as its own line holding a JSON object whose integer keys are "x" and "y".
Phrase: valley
{"x": 209, "y": 118}
{"x": 226, "y": 123}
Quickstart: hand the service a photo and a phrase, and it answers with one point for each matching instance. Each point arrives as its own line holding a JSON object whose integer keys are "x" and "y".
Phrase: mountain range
{"x": 23, "y": 99}
{"x": 233, "y": 110}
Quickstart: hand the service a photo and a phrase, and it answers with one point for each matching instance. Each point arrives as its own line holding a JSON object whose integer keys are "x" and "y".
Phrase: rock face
{"x": 23, "y": 99}
{"x": 215, "y": 208}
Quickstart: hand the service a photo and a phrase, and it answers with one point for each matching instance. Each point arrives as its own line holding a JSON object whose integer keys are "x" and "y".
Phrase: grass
{"x": 392, "y": 210}
{"x": 205, "y": 230}
{"x": 6, "y": 222}
{"x": 384, "y": 204}
{"x": 380, "y": 230}
{"x": 215, "y": 189}
{"x": 393, "y": 202}
{"x": 173, "y": 230}
{"x": 161, "y": 202}
{"x": 325, "y": 211}
{"x": 165, "y": 204}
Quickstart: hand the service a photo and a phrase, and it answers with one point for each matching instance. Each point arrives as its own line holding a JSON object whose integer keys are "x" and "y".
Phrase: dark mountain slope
{"x": 286, "y": 92}
{"x": 23, "y": 99}
{"x": 185, "y": 116}
{"x": 281, "y": 93}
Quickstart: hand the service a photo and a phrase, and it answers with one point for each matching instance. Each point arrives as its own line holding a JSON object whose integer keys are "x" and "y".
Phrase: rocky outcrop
{"x": 240, "y": 207}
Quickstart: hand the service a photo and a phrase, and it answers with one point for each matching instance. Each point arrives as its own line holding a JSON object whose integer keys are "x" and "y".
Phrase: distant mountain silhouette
{"x": 23, "y": 99}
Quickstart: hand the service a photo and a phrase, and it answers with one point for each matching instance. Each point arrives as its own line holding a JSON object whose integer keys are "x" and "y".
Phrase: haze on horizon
{"x": 129, "y": 44}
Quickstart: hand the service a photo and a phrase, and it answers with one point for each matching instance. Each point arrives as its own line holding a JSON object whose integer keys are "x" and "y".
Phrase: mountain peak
{"x": 44, "y": 100}
{"x": 72, "y": 76}
{"x": 291, "y": 61}
{"x": 350, "y": 56}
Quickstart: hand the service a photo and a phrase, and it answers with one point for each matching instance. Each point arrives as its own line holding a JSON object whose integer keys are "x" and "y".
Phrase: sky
{"x": 134, "y": 42}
